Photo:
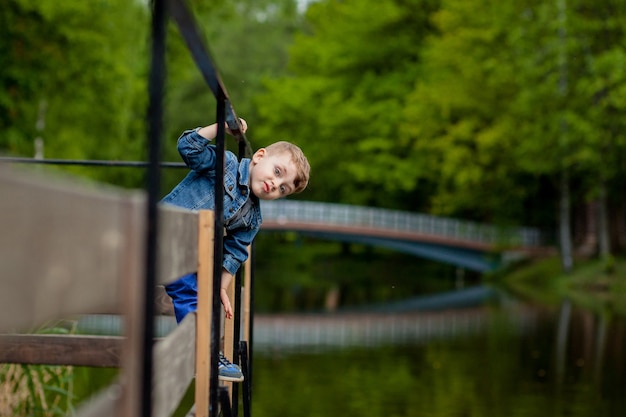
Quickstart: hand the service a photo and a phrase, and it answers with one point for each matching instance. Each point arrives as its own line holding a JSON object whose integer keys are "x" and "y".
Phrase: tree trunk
{"x": 617, "y": 218}
{"x": 586, "y": 230}
{"x": 603, "y": 225}
{"x": 565, "y": 233}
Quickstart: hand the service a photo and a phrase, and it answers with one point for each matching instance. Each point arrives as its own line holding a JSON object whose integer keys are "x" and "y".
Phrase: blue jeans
{"x": 184, "y": 294}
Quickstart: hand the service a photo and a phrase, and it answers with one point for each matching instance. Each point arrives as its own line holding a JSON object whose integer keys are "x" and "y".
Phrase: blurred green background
{"x": 500, "y": 112}
{"x": 468, "y": 108}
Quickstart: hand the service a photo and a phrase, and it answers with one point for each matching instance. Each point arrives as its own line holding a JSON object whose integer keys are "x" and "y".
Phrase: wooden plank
{"x": 132, "y": 288}
{"x": 206, "y": 239}
{"x": 177, "y": 243}
{"x": 61, "y": 247}
{"x": 174, "y": 360}
{"x": 78, "y": 350}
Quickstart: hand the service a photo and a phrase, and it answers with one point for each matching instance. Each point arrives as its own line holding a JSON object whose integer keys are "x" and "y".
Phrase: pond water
{"x": 513, "y": 359}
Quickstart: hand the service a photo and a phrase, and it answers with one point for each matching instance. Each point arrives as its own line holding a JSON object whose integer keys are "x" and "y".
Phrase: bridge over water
{"x": 474, "y": 246}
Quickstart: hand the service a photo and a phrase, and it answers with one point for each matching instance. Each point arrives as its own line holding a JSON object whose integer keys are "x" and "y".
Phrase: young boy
{"x": 273, "y": 172}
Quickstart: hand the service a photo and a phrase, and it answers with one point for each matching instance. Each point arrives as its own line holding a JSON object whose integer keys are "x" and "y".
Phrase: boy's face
{"x": 272, "y": 176}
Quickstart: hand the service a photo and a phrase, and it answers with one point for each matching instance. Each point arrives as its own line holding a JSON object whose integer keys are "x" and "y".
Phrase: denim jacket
{"x": 242, "y": 212}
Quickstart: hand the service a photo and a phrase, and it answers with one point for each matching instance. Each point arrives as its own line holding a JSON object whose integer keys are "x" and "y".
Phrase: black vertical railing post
{"x": 225, "y": 402}
{"x": 218, "y": 253}
{"x": 234, "y": 127}
{"x": 154, "y": 118}
{"x": 247, "y": 383}
{"x": 241, "y": 153}
{"x": 251, "y": 323}
{"x": 237, "y": 337}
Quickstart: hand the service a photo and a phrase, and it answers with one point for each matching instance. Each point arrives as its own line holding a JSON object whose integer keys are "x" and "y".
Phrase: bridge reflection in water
{"x": 322, "y": 332}
{"x": 417, "y": 320}
{"x": 474, "y": 246}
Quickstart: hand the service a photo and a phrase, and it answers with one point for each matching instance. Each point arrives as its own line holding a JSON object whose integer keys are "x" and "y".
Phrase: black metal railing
{"x": 225, "y": 116}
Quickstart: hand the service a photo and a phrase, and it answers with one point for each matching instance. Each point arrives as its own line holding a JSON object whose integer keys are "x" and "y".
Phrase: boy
{"x": 273, "y": 172}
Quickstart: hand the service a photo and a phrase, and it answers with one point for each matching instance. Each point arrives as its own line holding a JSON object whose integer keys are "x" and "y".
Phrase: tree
{"x": 342, "y": 100}
{"x": 459, "y": 118}
{"x": 78, "y": 60}
{"x": 602, "y": 89}
{"x": 573, "y": 57}
{"x": 506, "y": 103}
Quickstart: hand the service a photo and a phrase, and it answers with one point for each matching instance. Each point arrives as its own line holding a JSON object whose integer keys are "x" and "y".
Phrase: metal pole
{"x": 219, "y": 254}
{"x": 154, "y": 118}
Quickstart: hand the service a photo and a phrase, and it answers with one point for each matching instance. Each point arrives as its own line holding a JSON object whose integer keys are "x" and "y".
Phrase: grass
{"x": 593, "y": 284}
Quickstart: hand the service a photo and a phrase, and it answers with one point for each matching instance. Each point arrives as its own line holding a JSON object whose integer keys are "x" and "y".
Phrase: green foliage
{"x": 90, "y": 381}
{"x": 341, "y": 101}
{"x": 500, "y": 106}
{"x": 247, "y": 40}
{"x": 454, "y": 115}
{"x": 596, "y": 285}
{"x": 73, "y": 78}
{"x": 471, "y": 109}
{"x": 75, "y": 74}
{"x": 47, "y": 390}
{"x": 464, "y": 108}
{"x": 38, "y": 390}
{"x": 535, "y": 281}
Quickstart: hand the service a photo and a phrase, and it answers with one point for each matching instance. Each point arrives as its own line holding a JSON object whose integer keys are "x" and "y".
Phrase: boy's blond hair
{"x": 297, "y": 157}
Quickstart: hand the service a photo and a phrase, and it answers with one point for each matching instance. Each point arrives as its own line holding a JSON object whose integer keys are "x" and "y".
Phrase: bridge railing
{"x": 329, "y": 214}
{"x": 95, "y": 260}
{"x": 67, "y": 250}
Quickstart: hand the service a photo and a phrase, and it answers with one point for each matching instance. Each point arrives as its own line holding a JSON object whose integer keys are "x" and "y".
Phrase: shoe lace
{"x": 223, "y": 360}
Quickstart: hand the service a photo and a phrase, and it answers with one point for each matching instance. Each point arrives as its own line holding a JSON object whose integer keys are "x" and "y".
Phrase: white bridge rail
{"x": 285, "y": 211}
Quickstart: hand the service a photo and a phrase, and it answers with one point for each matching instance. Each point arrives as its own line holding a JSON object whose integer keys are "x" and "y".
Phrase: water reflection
{"x": 510, "y": 359}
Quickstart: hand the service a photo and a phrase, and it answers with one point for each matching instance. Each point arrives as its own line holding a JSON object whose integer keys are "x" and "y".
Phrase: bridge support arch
{"x": 473, "y": 260}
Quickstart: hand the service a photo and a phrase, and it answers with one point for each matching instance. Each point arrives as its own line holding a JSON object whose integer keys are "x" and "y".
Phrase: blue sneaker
{"x": 228, "y": 371}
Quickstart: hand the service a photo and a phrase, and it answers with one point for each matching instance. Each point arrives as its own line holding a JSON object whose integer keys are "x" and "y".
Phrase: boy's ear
{"x": 258, "y": 155}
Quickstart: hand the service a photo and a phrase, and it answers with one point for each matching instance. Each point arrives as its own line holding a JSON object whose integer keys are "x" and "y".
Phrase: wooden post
{"x": 206, "y": 236}
{"x": 134, "y": 319}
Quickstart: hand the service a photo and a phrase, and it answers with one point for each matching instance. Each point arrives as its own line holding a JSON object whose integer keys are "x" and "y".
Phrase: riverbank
{"x": 589, "y": 285}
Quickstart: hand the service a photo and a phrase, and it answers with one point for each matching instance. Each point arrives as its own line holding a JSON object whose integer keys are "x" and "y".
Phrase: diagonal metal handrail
{"x": 225, "y": 115}
{"x": 200, "y": 53}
